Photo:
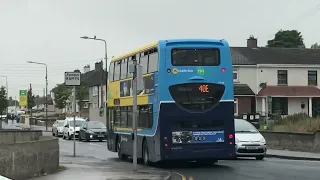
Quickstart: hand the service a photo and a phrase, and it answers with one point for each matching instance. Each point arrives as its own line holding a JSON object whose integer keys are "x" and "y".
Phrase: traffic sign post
{"x": 73, "y": 79}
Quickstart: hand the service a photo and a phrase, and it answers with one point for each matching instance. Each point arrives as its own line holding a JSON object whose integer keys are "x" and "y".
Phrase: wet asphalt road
{"x": 242, "y": 169}
{"x": 246, "y": 169}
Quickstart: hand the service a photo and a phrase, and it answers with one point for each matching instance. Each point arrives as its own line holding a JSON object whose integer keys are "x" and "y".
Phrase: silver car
{"x": 249, "y": 141}
{"x": 57, "y": 128}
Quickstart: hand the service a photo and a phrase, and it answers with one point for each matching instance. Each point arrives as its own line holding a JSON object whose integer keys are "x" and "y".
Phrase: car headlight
{"x": 91, "y": 132}
{"x": 237, "y": 140}
{"x": 263, "y": 141}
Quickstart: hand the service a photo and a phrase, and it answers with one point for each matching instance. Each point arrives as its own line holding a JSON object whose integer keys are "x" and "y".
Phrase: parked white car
{"x": 249, "y": 141}
{"x": 70, "y": 128}
{"x": 57, "y": 128}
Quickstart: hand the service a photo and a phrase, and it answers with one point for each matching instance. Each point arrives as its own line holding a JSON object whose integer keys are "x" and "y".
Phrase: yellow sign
{"x": 174, "y": 70}
{"x": 23, "y": 100}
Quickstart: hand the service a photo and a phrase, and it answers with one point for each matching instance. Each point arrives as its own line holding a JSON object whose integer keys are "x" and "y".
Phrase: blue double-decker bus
{"x": 186, "y": 109}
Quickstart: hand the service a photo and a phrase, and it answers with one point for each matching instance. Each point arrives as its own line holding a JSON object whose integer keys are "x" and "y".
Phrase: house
{"x": 276, "y": 80}
{"x": 95, "y": 93}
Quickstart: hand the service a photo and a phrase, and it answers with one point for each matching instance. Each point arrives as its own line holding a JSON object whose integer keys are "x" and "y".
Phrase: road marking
{"x": 182, "y": 176}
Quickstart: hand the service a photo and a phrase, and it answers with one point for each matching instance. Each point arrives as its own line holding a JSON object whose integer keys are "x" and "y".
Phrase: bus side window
{"x": 117, "y": 117}
{"x": 153, "y": 60}
{"x": 143, "y": 120}
{"x": 117, "y": 70}
{"x": 130, "y": 116}
{"x": 144, "y": 62}
{"x": 111, "y": 71}
{"x": 124, "y": 117}
{"x": 129, "y": 63}
{"x": 124, "y": 67}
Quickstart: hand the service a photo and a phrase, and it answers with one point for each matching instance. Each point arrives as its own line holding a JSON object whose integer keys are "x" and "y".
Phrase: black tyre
{"x": 120, "y": 155}
{"x": 145, "y": 153}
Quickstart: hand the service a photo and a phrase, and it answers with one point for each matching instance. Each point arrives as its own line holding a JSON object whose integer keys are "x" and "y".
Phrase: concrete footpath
{"x": 81, "y": 168}
{"x": 294, "y": 155}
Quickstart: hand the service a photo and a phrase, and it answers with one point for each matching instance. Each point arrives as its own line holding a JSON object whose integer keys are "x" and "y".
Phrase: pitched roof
{"x": 242, "y": 90}
{"x": 264, "y": 55}
{"x": 289, "y": 91}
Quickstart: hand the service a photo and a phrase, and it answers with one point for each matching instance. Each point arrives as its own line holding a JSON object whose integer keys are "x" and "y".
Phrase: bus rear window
{"x": 195, "y": 57}
{"x": 197, "y": 97}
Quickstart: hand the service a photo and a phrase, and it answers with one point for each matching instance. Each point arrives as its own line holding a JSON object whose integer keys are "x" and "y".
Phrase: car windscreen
{"x": 96, "y": 125}
{"x": 60, "y": 123}
{"x": 244, "y": 126}
{"x": 78, "y": 123}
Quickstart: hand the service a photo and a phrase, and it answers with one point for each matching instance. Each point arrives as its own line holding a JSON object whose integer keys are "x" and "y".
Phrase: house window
{"x": 282, "y": 77}
{"x": 312, "y": 78}
{"x": 235, "y": 106}
{"x": 86, "y": 105}
{"x": 95, "y": 91}
{"x": 235, "y": 75}
{"x": 280, "y": 105}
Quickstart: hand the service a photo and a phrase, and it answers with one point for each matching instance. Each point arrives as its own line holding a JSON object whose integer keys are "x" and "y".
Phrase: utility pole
{"x": 136, "y": 69}
{"x": 30, "y": 108}
{"x": 46, "y": 98}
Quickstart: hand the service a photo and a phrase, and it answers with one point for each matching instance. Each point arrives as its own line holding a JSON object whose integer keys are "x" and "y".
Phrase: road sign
{"x": 23, "y": 92}
{"x": 72, "y": 78}
{"x": 23, "y": 100}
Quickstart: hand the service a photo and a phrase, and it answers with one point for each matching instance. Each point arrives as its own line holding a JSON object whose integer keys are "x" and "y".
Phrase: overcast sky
{"x": 49, "y": 31}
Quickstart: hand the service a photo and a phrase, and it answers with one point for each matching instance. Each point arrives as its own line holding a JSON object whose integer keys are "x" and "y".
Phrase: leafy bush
{"x": 299, "y": 122}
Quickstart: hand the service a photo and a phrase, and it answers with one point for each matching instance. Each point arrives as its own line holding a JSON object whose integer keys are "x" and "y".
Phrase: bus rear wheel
{"x": 120, "y": 155}
{"x": 145, "y": 153}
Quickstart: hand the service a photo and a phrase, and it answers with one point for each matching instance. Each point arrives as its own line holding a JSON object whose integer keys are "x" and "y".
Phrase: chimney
{"x": 86, "y": 69}
{"x": 98, "y": 66}
{"x": 252, "y": 42}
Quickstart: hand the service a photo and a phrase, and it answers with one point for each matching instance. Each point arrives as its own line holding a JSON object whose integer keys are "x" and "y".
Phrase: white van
{"x": 69, "y": 129}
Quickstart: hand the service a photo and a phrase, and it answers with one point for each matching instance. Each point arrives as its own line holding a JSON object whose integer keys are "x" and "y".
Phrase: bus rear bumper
{"x": 190, "y": 155}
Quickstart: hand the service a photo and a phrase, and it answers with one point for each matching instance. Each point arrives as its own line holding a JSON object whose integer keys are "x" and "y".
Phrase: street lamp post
{"x": 7, "y": 93}
{"x": 106, "y": 61}
{"x": 46, "y": 97}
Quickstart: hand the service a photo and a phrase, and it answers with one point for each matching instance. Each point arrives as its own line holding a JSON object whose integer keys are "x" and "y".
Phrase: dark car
{"x": 92, "y": 130}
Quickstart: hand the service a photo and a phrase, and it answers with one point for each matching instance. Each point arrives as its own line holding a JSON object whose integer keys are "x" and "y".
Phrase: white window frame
{"x": 235, "y": 70}
{"x": 236, "y": 111}
{"x": 95, "y": 90}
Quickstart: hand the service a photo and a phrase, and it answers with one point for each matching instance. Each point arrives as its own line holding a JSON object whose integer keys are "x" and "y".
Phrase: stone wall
{"x": 23, "y": 160}
{"x": 293, "y": 141}
{"x": 10, "y": 136}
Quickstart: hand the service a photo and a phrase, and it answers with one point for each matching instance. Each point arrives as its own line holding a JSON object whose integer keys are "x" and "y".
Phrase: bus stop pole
{"x": 74, "y": 120}
{"x": 134, "y": 117}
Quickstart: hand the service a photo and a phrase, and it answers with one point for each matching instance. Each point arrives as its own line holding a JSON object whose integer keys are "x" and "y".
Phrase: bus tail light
{"x": 223, "y": 70}
{"x": 230, "y": 136}
{"x": 165, "y": 138}
{"x": 165, "y": 145}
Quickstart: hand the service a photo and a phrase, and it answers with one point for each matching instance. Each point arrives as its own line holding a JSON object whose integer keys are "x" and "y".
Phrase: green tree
{"x": 30, "y": 100}
{"x": 3, "y": 100}
{"x": 315, "y": 46}
{"x": 82, "y": 93}
{"x": 287, "y": 39}
{"x": 61, "y": 95}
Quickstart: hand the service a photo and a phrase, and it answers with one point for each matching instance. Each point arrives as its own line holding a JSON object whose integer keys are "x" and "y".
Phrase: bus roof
{"x": 154, "y": 44}
{"x": 136, "y": 51}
